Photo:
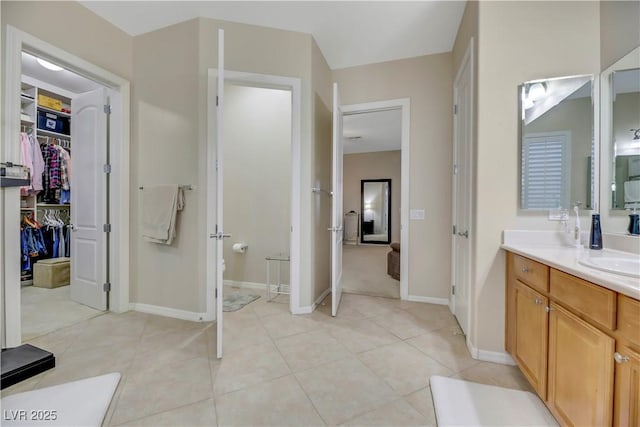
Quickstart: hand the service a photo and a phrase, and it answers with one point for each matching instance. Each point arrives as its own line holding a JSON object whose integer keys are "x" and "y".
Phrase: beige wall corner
{"x": 428, "y": 82}
{"x": 513, "y": 48}
{"x": 619, "y": 30}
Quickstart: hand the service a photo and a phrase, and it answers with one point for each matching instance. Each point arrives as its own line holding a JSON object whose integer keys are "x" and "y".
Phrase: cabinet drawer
{"x": 531, "y": 272}
{"x": 629, "y": 319}
{"x": 588, "y": 300}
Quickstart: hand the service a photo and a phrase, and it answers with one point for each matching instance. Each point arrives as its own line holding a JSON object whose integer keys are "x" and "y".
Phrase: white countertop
{"x": 565, "y": 258}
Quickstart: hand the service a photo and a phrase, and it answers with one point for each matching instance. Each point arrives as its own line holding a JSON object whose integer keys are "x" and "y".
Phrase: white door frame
{"x": 16, "y": 42}
{"x": 467, "y": 60}
{"x": 268, "y": 81}
{"x": 405, "y": 106}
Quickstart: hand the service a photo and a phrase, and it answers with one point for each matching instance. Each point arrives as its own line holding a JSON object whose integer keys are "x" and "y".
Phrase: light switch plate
{"x": 416, "y": 214}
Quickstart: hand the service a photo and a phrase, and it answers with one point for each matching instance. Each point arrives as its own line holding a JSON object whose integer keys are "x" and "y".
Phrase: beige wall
{"x": 619, "y": 30}
{"x": 164, "y": 150}
{"x": 257, "y": 179}
{"x": 74, "y": 28}
{"x": 321, "y": 79}
{"x": 515, "y": 47}
{"x": 378, "y": 165}
{"x": 427, "y": 81}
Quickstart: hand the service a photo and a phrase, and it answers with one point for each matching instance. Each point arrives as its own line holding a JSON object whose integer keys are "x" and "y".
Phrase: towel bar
{"x": 184, "y": 187}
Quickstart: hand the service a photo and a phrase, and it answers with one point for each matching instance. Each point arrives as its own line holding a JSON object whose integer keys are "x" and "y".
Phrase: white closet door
{"x": 337, "y": 214}
{"x": 88, "y": 199}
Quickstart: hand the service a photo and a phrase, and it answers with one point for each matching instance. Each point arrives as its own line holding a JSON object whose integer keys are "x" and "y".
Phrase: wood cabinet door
{"x": 626, "y": 411}
{"x": 580, "y": 390}
{"x": 531, "y": 326}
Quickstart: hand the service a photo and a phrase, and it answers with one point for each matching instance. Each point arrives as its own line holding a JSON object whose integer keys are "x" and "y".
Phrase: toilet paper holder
{"x": 240, "y": 247}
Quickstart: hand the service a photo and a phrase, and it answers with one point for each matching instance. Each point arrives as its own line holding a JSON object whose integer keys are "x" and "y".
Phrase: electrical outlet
{"x": 558, "y": 215}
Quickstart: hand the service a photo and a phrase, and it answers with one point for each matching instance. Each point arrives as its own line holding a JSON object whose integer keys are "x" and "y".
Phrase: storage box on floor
{"x": 52, "y": 272}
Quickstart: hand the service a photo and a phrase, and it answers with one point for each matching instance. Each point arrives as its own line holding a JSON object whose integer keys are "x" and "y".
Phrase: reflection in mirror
{"x": 625, "y": 135}
{"x": 376, "y": 211}
{"x": 556, "y": 143}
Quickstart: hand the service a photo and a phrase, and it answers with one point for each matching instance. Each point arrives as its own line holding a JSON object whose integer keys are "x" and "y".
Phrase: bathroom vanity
{"x": 575, "y": 334}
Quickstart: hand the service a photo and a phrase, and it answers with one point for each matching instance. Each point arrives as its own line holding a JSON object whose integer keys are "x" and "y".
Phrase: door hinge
{"x": 106, "y": 228}
{"x": 454, "y": 230}
{"x": 107, "y": 109}
{"x": 453, "y": 290}
{"x": 216, "y": 100}
{"x": 107, "y": 168}
{"x": 217, "y": 165}
{"x": 455, "y": 109}
{"x": 455, "y": 169}
{"x": 216, "y": 293}
{"x": 106, "y": 286}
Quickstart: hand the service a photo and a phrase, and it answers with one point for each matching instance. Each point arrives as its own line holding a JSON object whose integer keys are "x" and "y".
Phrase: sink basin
{"x": 613, "y": 262}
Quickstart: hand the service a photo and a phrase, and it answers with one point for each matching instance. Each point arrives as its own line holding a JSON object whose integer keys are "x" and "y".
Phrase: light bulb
{"x": 48, "y": 65}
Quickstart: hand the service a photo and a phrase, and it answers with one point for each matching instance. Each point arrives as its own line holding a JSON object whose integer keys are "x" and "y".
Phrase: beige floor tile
{"x": 495, "y": 374}
{"x": 284, "y": 325}
{"x": 160, "y": 324}
{"x": 344, "y": 389}
{"x": 445, "y": 347}
{"x": 243, "y": 332}
{"x": 346, "y": 310}
{"x": 280, "y": 402}
{"x": 172, "y": 346}
{"x": 398, "y": 413}
{"x": 360, "y": 335}
{"x": 249, "y": 366}
{"x": 59, "y": 341}
{"x": 422, "y": 401}
{"x": 194, "y": 415}
{"x": 436, "y": 316}
{"x": 403, "y": 324}
{"x": 369, "y": 306}
{"x": 403, "y": 367}
{"x": 278, "y": 305}
{"x": 311, "y": 349}
{"x": 163, "y": 388}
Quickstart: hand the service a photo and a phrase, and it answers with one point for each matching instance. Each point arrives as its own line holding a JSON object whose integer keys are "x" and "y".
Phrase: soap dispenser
{"x": 595, "y": 238}
{"x": 634, "y": 223}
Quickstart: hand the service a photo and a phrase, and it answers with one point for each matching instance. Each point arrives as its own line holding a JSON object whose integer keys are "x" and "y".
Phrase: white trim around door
{"x": 268, "y": 81}
{"x": 404, "y": 104}
{"x": 16, "y": 42}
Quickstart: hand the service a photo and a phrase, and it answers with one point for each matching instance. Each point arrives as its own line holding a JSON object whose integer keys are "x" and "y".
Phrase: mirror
{"x": 624, "y": 136}
{"x": 375, "y": 222}
{"x": 556, "y": 143}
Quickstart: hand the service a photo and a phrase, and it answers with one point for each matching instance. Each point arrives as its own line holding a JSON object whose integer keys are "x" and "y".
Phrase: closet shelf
{"x": 54, "y": 134}
{"x": 54, "y": 205}
{"x": 50, "y": 110}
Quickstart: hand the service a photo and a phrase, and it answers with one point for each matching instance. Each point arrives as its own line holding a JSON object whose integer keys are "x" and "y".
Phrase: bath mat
{"x": 78, "y": 403}
{"x": 234, "y": 302}
{"x": 463, "y": 403}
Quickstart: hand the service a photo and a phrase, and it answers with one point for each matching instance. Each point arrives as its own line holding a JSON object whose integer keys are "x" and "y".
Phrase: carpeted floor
{"x": 364, "y": 271}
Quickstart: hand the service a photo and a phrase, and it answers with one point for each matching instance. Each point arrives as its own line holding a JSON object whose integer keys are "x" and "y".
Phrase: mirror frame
{"x": 627, "y": 62}
{"x": 375, "y": 242}
{"x": 596, "y": 148}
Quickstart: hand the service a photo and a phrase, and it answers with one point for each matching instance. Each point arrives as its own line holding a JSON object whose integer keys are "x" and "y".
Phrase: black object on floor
{"x": 23, "y": 362}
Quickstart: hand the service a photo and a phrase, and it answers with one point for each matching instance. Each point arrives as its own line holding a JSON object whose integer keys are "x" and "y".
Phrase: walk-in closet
{"x": 62, "y": 163}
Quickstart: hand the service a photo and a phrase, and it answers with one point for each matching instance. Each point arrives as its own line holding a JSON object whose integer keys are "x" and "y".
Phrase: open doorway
{"x": 67, "y": 120}
{"x": 375, "y": 184}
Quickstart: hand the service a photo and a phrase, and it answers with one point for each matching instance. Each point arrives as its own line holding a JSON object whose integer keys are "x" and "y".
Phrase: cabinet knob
{"x": 548, "y": 309}
{"x": 524, "y": 269}
{"x": 537, "y": 301}
{"x": 619, "y": 358}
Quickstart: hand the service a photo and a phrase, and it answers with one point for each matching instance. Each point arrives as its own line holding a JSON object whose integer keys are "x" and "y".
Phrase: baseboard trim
{"x": 247, "y": 285}
{"x": 489, "y": 356}
{"x": 308, "y": 309}
{"x": 168, "y": 312}
{"x": 430, "y": 300}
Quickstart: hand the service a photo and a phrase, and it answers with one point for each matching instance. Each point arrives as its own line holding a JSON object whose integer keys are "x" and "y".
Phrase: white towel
{"x": 160, "y": 205}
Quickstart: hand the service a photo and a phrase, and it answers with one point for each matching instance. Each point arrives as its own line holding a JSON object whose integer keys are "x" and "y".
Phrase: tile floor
{"x": 368, "y": 366}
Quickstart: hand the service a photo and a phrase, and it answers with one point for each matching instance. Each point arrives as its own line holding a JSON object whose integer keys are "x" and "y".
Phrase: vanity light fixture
{"x": 537, "y": 91}
{"x": 48, "y": 65}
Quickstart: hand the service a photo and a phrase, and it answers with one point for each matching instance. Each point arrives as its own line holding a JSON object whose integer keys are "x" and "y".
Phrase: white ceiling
{"x": 349, "y": 33}
{"x": 378, "y": 131}
{"x": 64, "y": 79}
